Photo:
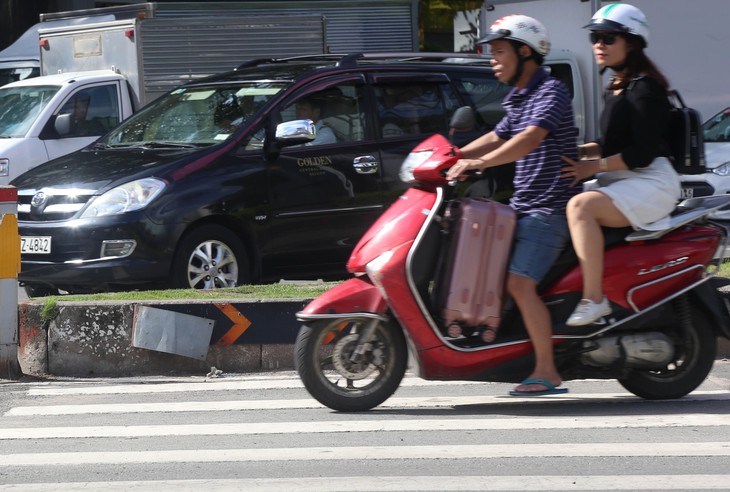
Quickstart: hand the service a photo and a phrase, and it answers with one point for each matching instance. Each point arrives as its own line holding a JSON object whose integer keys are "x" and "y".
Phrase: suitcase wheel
{"x": 454, "y": 330}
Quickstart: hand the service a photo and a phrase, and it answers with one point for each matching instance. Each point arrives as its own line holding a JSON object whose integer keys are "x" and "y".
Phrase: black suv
{"x": 273, "y": 170}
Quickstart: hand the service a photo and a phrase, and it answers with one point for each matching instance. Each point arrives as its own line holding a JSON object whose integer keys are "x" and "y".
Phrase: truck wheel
{"x": 695, "y": 351}
{"x": 210, "y": 257}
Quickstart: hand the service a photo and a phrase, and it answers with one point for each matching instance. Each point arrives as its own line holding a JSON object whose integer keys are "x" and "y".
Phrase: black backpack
{"x": 684, "y": 135}
{"x": 685, "y": 138}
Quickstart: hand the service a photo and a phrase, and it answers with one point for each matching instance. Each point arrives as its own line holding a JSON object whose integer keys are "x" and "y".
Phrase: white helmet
{"x": 621, "y": 17}
{"x": 520, "y": 28}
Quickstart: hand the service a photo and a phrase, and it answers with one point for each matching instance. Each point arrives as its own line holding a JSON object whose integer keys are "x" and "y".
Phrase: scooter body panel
{"x": 397, "y": 225}
{"x": 354, "y": 296}
{"x": 641, "y": 274}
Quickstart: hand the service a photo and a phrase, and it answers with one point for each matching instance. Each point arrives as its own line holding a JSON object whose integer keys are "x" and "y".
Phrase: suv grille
{"x": 48, "y": 205}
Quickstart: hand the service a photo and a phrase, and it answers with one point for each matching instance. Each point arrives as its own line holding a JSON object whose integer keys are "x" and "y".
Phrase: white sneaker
{"x": 587, "y": 312}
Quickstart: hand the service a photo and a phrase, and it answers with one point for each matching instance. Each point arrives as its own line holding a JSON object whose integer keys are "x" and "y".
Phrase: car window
{"x": 94, "y": 111}
{"x": 198, "y": 115}
{"x": 486, "y": 95}
{"x": 717, "y": 128}
{"x": 20, "y": 106}
{"x": 413, "y": 109}
{"x": 337, "y": 112}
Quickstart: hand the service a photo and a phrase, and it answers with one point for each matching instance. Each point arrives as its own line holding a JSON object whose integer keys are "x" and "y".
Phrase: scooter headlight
{"x": 374, "y": 266}
{"x": 411, "y": 162}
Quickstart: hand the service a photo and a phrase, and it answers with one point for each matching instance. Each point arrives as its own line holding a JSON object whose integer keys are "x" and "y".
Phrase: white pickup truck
{"x": 46, "y": 117}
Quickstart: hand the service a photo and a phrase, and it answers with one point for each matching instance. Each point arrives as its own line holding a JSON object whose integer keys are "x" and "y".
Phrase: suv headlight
{"x": 128, "y": 197}
{"x": 4, "y": 167}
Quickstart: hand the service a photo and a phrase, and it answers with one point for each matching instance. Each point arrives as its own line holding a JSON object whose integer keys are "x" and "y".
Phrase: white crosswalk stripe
{"x": 98, "y": 426}
{"x": 399, "y": 484}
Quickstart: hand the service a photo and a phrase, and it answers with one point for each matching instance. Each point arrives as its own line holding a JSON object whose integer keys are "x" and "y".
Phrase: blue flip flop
{"x": 550, "y": 389}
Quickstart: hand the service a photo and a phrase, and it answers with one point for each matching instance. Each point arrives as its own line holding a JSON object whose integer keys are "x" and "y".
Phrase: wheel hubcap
{"x": 212, "y": 265}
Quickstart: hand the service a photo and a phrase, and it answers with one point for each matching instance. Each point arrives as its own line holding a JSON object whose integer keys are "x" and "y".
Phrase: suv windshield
{"x": 197, "y": 116}
{"x": 20, "y": 106}
{"x": 717, "y": 128}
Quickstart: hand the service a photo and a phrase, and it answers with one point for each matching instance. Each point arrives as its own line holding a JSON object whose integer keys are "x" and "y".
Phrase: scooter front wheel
{"x": 336, "y": 377}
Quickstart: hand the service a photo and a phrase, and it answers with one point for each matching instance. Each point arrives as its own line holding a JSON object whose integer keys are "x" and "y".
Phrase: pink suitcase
{"x": 474, "y": 280}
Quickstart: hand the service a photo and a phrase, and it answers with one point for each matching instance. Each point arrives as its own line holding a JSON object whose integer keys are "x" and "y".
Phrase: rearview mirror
{"x": 463, "y": 119}
{"x": 63, "y": 124}
{"x": 295, "y": 132}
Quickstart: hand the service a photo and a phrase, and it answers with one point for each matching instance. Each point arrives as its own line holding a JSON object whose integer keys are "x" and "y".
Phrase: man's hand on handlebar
{"x": 462, "y": 168}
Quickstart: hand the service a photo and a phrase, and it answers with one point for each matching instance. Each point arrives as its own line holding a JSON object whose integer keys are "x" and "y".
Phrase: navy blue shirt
{"x": 545, "y": 102}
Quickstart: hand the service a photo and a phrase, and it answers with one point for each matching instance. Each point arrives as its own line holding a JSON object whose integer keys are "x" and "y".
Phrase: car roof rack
{"x": 352, "y": 59}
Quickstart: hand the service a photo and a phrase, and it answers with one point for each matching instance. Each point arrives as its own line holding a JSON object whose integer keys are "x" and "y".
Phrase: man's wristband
{"x": 603, "y": 164}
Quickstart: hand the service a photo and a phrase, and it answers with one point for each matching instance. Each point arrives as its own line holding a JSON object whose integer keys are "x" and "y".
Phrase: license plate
{"x": 35, "y": 245}
{"x": 688, "y": 193}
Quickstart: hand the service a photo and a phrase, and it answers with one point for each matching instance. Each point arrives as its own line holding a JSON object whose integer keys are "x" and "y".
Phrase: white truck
{"x": 95, "y": 75}
{"x": 688, "y": 41}
{"x": 21, "y": 60}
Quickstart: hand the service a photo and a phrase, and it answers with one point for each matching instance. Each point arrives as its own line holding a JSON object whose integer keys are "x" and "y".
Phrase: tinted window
{"x": 413, "y": 109}
{"x": 201, "y": 115}
{"x": 486, "y": 95}
{"x": 337, "y": 111}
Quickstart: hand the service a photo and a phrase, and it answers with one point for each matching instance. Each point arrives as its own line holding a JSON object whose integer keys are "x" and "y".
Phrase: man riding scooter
{"x": 537, "y": 129}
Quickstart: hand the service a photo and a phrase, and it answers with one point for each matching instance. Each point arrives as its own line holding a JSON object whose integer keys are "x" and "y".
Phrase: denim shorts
{"x": 539, "y": 240}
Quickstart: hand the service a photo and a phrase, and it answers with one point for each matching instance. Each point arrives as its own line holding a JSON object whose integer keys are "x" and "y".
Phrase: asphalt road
{"x": 264, "y": 432}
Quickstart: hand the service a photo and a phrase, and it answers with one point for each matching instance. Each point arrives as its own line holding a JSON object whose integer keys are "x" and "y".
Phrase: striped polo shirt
{"x": 545, "y": 102}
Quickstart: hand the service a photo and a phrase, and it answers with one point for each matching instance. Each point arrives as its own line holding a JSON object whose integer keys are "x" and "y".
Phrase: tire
{"x": 695, "y": 351}
{"x": 210, "y": 257}
{"x": 39, "y": 290}
{"x": 322, "y": 353}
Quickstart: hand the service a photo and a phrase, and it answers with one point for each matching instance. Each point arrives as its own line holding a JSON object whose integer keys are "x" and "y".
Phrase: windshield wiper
{"x": 162, "y": 145}
{"x": 152, "y": 145}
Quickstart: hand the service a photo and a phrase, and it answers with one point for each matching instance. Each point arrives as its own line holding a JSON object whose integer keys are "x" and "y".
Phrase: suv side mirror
{"x": 295, "y": 132}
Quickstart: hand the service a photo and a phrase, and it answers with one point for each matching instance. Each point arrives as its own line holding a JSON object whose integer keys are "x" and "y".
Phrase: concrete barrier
{"x": 95, "y": 339}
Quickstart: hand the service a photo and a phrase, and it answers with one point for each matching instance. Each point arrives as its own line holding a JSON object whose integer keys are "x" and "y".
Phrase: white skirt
{"x": 646, "y": 195}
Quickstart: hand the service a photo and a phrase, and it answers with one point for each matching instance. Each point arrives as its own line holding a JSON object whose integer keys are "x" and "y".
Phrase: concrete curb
{"x": 84, "y": 339}
{"x": 87, "y": 340}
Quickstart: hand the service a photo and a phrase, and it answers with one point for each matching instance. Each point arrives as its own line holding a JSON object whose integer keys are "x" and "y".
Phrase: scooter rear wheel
{"x": 695, "y": 351}
{"x": 323, "y": 353}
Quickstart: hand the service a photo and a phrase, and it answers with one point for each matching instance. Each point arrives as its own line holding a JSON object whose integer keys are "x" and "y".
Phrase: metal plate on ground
{"x": 171, "y": 332}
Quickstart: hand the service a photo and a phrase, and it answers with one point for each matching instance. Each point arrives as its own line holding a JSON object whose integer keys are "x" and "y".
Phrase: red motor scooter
{"x": 660, "y": 341}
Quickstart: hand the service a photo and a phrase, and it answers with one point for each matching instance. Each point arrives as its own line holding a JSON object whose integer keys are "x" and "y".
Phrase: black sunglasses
{"x": 607, "y": 38}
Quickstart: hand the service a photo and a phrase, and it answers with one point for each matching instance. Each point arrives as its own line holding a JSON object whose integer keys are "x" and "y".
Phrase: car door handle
{"x": 365, "y": 164}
